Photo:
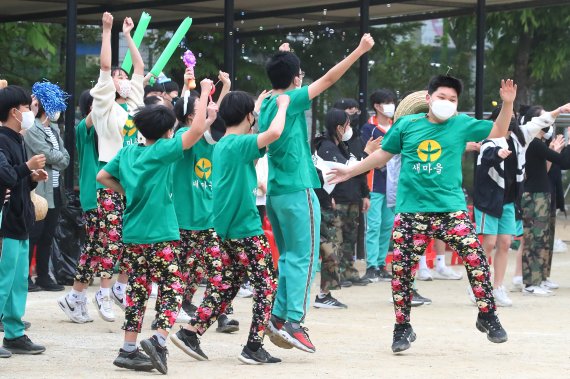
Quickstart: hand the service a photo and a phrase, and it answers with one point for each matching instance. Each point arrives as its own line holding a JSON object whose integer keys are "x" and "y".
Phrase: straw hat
{"x": 40, "y": 206}
{"x": 412, "y": 104}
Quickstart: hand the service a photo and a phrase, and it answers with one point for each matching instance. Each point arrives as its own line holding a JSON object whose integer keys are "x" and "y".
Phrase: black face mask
{"x": 354, "y": 120}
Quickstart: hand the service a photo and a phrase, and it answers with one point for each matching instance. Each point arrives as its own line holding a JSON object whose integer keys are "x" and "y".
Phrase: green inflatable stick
{"x": 137, "y": 38}
{"x": 170, "y": 48}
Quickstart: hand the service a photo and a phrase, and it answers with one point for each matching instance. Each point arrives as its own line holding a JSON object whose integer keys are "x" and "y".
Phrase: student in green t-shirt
{"x": 292, "y": 205}
{"x": 430, "y": 201}
{"x": 244, "y": 249}
{"x": 142, "y": 173}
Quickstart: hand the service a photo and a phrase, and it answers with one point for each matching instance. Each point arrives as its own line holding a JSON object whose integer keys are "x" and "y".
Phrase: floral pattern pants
{"x": 230, "y": 264}
{"x": 159, "y": 263}
{"x": 103, "y": 246}
{"x": 412, "y": 234}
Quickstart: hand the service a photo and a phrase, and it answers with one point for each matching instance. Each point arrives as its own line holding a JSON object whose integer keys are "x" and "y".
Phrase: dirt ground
{"x": 351, "y": 343}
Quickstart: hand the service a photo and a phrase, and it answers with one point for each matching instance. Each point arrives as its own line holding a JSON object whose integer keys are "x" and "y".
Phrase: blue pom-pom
{"x": 52, "y": 97}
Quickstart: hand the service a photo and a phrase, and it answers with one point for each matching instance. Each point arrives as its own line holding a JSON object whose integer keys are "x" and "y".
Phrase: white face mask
{"x": 548, "y": 134}
{"x": 124, "y": 88}
{"x": 443, "y": 109}
{"x": 388, "y": 110}
{"x": 55, "y": 117}
{"x": 347, "y": 134}
{"x": 27, "y": 119}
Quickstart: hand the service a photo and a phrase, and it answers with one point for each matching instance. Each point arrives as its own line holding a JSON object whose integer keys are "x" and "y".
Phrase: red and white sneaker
{"x": 297, "y": 335}
{"x": 273, "y": 327}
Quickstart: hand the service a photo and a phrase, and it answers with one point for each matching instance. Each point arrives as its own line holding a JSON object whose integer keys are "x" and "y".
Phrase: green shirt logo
{"x": 429, "y": 150}
{"x": 203, "y": 169}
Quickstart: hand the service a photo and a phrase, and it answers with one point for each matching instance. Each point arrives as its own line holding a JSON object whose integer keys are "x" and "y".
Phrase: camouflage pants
{"x": 536, "y": 222}
{"x": 348, "y": 215}
{"x": 331, "y": 234}
{"x": 552, "y": 222}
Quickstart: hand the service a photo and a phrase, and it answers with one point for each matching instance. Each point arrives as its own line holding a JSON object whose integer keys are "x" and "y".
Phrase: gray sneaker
{"x": 4, "y": 353}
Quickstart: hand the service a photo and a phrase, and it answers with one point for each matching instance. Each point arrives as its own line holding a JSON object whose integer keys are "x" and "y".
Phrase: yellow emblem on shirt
{"x": 129, "y": 129}
{"x": 429, "y": 150}
{"x": 203, "y": 168}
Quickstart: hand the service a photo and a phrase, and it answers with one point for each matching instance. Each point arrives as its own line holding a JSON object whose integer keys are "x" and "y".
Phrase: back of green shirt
{"x": 145, "y": 174}
{"x": 234, "y": 183}
{"x": 291, "y": 167}
{"x": 431, "y": 177}
{"x": 88, "y": 166}
{"x": 193, "y": 198}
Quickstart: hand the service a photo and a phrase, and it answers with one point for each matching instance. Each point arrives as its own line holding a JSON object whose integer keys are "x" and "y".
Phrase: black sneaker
{"x": 346, "y": 283}
{"x": 328, "y": 302}
{"x": 371, "y": 274}
{"x": 48, "y": 284}
{"x": 383, "y": 275}
{"x": 188, "y": 307}
{"x": 418, "y": 297}
{"x": 156, "y": 353}
{"x": 134, "y": 360}
{"x": 5, "y": 353}
{"x": 491, "y": 325}
{"x": 225, "y": 325}
{"x": 154, "y": 324}
{"x": 258, "y": 357}
{"x": 27, "y": 326}
{"x": 189, "y": 343}
{"x": 356, "y": 281}
{"x": 32, "y": 287}
{"x": 22, "y": 345}
{"x": 403, "y": 337}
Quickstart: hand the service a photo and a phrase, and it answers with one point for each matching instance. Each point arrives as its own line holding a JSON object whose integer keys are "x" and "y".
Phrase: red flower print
{"x": 479, "y": 292}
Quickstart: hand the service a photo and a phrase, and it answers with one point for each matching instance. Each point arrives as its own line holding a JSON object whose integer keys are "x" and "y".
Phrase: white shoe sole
{"x": 248, "y": 361}
{"x": 424, "y": 278}
{"x": 276, "y": 338}
{"x": 547, "y": 294}
{"x": 327, "y": 306}
{"x": 117, "y": 301}
{"x": 294, "y": 342}
{"x": 65, "y": 308}
{"x": 437, "y": 276}
{"x": 101, "y": 314}
{"x": 182, "y": 346}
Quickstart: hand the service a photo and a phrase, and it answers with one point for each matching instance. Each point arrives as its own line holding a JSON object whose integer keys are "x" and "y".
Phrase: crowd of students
{"x": 175, "y": 191}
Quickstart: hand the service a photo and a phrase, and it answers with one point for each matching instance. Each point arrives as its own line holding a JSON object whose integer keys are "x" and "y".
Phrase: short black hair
{"x": 345, "y": 103}
{"x": 154, "y": 121}
{"x": 282, "y": 69}
{"x": 115, "y": 69}
{"x": 235, "y": 106}
{"x": 382, "y": 96}
{"x": 12, "y": 97}
{"x": 445, "y": 81}
{"x": 179, "y": 109}
{"x": 85, "y": 102}
{"x": 154, "y": 88}
{"x": 170, "y": 86}
{"x": 151, "y": 100}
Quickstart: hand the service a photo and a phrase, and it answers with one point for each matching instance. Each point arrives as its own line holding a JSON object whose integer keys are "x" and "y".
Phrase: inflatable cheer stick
{"x": 137, "y": 38}
{"x": 170, "y": 48}
{"x": 190, "y": 62}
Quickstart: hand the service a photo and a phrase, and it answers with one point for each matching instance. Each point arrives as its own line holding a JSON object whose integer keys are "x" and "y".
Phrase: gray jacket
{"x": 38, "y": 142}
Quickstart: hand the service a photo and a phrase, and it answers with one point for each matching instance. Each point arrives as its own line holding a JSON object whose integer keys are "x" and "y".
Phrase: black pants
{"x": 41, "y": 236}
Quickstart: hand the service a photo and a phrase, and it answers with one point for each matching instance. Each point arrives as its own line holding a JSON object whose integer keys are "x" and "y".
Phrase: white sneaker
{"x": 471, "y": 294}
{"x": 548, "y": 284}
{"x": 104, "y": 305}
{"x": 244, "y": 292}
{"x": 183, "y": 317}
{"x": 154, "y": 291}
{"x": 501, "y": 298}
{"x": 71, "y": 309}
{"x": 517, "y": 284}
{"x": 424, "y": 274}
{"x": 84, "y": 312}
{"x": 536, "y": 291}
{"x": 118, "y": 298}
{"x": 447, "y": 273}
{"x": 559, "y": 246}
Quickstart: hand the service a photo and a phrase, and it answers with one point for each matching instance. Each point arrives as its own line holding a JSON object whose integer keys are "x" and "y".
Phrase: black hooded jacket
{"x": 18, "y": 215}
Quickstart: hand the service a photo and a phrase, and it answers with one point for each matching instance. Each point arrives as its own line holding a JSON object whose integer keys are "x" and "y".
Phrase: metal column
{"x": 229, "y": 38}
{"x": 480, "y": 59}
{"x": 115, "y": 45}
{"x": 70, "y": 68}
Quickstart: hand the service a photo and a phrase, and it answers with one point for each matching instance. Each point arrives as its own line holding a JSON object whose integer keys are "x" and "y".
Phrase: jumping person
{"x": 292, "y": 206}
{"x": 430, "y": 201}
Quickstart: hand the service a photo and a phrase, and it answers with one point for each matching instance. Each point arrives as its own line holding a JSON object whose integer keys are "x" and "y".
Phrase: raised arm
{"x": 199, "y": 126}
{"x": 138, "y": 63}
{"x": 508, "y": 94}
{"x": 276, "y": 128}
{"x": 377, "y": 159}
{"x": 224, "y": 77}
{"x": 106, "y": 42}
{"x": 335, "y": 73}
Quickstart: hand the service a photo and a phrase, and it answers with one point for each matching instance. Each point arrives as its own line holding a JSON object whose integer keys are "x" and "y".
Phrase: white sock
{"x": 322, "y": 295}
{"x": 423, "y": 263}
{"x": 440, "y": 261}
{"x": 104, "y": 292}
{"x": 119, "y": 288}
{"x": 74, "y": 295}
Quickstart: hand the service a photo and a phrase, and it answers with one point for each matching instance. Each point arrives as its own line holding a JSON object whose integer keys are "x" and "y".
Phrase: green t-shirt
{"x": 193, "y": 186}
{"x": 130, "y": 132}
{"x": 234, "y": 183}
{"x": 89, "y": 166}
{"x": 430, "y": 177}
{"x": 145, "y": 174}
{"x": 291, "y": 167}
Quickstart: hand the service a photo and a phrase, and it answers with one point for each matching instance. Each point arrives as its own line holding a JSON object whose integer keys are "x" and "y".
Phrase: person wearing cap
{"x": 430, "y": 202}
